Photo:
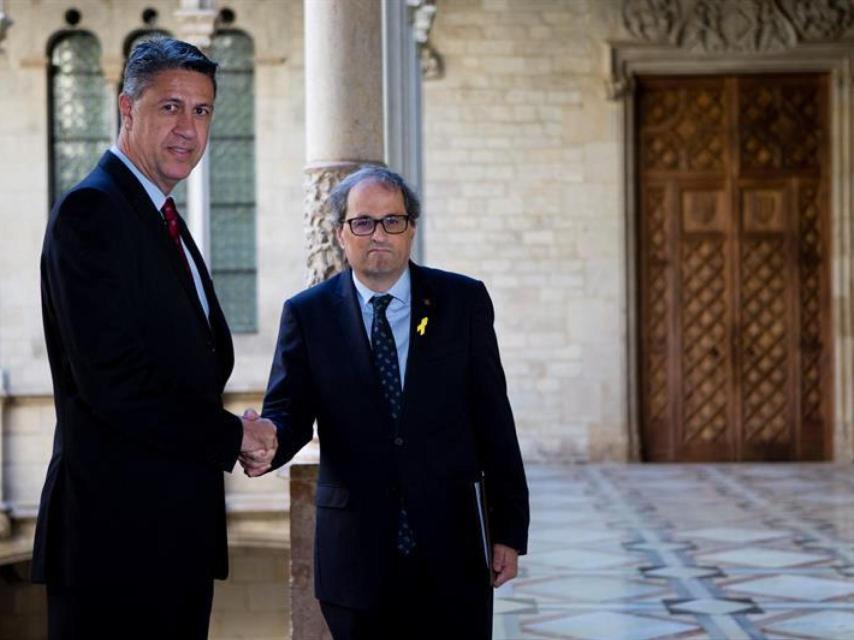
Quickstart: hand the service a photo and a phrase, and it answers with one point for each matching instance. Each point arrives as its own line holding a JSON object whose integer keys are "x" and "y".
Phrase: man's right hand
{"x": 259, "y": 444}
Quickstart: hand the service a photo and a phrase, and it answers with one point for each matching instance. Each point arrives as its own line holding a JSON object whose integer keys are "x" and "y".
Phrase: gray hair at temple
{"x": 158, "y": 54}
{"x": 372, "y": 173}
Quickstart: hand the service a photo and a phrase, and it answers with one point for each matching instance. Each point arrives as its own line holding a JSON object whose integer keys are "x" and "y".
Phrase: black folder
{"x": 483, "y": 521}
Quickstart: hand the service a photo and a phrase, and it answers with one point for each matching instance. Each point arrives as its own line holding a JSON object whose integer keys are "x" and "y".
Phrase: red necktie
{"x": 170, "y": 214}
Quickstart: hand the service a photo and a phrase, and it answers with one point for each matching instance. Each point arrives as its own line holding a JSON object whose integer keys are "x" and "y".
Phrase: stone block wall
{"x": 253, "y": 604}
{"x": 522, "y": 181}
{"x": 23, "y": 606}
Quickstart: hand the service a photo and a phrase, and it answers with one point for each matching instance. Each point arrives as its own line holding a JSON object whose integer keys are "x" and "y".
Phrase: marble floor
{"x": 688, "y": 552}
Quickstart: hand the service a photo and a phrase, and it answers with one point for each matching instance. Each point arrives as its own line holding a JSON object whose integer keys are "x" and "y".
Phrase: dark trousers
{"x": 165, "y": 611}
{"x": 416, "y": 608}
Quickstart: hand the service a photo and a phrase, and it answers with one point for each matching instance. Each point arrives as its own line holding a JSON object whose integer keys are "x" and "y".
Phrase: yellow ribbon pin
{"x": 422, "y": 327}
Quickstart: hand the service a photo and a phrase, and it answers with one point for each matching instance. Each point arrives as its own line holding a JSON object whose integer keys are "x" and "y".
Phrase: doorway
{"x": 733, "y": 251}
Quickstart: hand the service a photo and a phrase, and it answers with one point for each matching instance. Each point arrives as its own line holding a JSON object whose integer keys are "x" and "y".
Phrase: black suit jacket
{"x": 456, "y": 423}
{"x": 134, "y": 489}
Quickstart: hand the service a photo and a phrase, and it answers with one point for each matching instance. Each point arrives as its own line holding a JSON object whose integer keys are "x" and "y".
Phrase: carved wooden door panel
{"x": 734, "y": 305}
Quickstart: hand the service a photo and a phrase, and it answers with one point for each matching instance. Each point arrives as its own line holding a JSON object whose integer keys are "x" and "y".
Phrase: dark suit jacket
{"x": 134, "y": 490}
{"x": 456, "y": 423}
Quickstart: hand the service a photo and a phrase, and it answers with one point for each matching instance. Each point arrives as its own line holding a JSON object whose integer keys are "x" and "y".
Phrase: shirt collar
{"x": 156, "y": 195}
{"x": 400, "y": 290}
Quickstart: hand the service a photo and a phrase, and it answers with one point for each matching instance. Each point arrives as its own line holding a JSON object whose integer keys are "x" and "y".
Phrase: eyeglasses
{"x": 364, "y": 225}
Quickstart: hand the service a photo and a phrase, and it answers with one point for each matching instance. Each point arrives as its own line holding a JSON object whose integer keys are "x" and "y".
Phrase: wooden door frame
{"x": 625, "y": 60}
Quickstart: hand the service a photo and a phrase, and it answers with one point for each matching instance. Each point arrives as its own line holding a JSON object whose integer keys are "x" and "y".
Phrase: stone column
{"x": 344, "y": 129}
{"x": 5, "y": 521}
{"x": 344, "y": 112}
{"x": 306, "y": 620}
{"x": 196, "y": 24}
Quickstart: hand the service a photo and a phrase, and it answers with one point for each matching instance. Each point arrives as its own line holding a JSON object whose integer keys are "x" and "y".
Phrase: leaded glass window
{"x": 232, "y": 181}
{"x": 80, "y": 126}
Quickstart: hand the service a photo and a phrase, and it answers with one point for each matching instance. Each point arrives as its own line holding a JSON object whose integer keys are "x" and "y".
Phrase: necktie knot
{"x": 170, "y": 215}
{"x": 381, "y": 303}
{"x": 169, "y": 210}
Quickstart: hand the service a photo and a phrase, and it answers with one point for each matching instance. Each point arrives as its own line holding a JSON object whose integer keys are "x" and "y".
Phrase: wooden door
{"x": 733, "y": 237}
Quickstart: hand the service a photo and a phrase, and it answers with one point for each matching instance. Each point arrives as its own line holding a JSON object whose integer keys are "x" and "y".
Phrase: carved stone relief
{"x": 737, "y": 25}
{"x": 423, "y": 12}
{"x": 325, "y": 257}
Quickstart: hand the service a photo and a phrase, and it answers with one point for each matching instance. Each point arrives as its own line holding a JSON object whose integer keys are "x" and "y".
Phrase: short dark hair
{"x": 373, "y": 173}
{"x": 150, "y": 57}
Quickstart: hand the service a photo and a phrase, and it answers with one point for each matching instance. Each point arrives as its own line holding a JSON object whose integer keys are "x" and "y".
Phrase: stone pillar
{"x": 344, "y": 129}
{"x": 344, "y": 112}
{"x": 5, "y": 521}
{"x": 306, "y": 619}
{"x": 196, "y": 24}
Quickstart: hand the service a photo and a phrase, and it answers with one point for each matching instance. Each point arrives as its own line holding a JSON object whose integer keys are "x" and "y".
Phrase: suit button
{"x": 398, "y": 441}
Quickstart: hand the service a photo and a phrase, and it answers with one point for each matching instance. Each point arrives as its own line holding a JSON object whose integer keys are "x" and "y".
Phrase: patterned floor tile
{"x": 607, "y": 625}
{"x": 589, "y": 588}
{"x": 580, "y": 559}
{"x": 681, "y": 572}
{"x": 737, "y": 552}
{"x": 759, "y": 557}
{"x": 731, "y": 534}
{"x": 712, "y": 606}
{"x": 823, "y": 625}
{"x": 795, "y": 588}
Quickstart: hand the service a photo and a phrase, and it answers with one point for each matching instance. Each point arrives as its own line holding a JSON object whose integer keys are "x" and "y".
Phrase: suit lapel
{"x": 207, "y": 284}
{"x": 423, "y": 311}
{"x": 352, "y": 327}
{"x": 151, "y": 220}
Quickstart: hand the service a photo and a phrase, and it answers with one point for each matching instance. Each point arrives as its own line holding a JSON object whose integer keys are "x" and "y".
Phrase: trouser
{"x": 165, "y": 611}
{"x": 416, "y": 608}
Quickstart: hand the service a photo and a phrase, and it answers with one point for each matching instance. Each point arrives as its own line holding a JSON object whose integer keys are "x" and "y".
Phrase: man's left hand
{"x": 505, "y": 564}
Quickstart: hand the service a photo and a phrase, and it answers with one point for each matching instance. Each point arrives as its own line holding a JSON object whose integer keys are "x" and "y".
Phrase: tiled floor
{"x": 688, "y": 552}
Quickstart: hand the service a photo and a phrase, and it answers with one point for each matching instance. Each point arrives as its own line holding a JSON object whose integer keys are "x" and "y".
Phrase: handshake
{"x": 259, "y": 444}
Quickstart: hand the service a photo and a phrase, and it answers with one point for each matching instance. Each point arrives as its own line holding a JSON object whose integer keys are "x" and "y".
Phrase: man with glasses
{"x": 399, "y": 366}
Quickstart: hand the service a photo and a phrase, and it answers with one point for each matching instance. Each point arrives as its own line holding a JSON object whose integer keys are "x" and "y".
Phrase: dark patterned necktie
{"x": 388, "y": 370}
{"x": 170, "y": 215}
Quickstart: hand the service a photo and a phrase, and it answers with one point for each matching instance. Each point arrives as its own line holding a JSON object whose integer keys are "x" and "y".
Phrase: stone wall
{"x": 23, "y": 606}
{"x": 522, "y": 180}
{"x": 252, "y": 603}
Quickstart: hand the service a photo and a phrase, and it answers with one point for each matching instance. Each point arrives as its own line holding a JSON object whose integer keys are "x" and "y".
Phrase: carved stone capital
{"x": 619, "y": 87}
{"x": 432, "y": 65}
{"x": 325, "y": 256}
{"x": 422, "y": 15}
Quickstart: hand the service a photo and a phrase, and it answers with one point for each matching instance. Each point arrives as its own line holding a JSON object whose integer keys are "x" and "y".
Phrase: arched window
{"x": 232, "y": 181}
{"x": 79, "y": 122}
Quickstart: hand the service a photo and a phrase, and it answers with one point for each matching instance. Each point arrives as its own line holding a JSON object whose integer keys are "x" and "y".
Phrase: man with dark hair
{"x": 399, "y": 366}
{"x": 131, "y": 527}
